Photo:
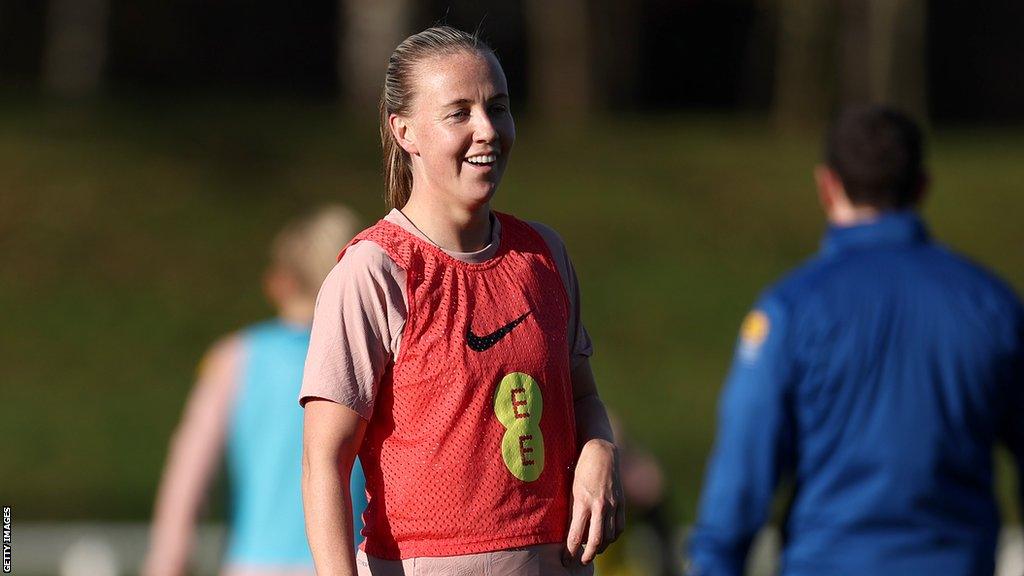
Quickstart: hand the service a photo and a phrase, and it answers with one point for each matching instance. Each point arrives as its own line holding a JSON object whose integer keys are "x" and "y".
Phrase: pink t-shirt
{"x": 361, "y": 311}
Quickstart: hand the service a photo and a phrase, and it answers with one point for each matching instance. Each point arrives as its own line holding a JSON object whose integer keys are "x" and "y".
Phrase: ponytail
{"x": 397, "y": 169}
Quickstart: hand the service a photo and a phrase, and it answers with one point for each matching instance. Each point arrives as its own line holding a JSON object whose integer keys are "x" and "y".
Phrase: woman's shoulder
{"x": 547, "y": 232}
{"x": 559, "y": 253}
{"x": 365, "y": 256}
{"x": 553, "y": 240}
{"x": 364, "y": 264}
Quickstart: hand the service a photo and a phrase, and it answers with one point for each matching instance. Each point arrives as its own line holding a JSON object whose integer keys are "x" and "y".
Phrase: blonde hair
{"x": 307, "y": 248}
{"x": 397, "y": 97}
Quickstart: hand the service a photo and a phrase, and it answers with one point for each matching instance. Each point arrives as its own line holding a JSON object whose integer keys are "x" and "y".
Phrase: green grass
{"x": 134, "y": 235}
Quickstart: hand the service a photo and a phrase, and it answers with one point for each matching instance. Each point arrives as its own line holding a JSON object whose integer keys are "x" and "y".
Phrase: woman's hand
{"x": 598, "y": 515}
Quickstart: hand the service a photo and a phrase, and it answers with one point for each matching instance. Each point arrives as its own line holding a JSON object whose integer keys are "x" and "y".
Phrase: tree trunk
{"x": 757, "y": 72}
{"x": 856, "y": 40}
{"x": 897, "y": 54}
{"x": 372, "y": 30}
{"x": 805, "y": 64}
{"x": 76, "y": 46}
{"x": 561, "y": 85}
{"x": 883, "y": 54}
{"x": 616, "y": 45}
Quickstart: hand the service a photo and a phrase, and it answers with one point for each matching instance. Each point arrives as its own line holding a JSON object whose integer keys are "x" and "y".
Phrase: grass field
{"x": 133, "y": 236}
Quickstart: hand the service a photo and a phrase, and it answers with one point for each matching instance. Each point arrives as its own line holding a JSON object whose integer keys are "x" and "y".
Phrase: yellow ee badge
{"x": 753, "y": 333}
{"x": 518, "y": 403}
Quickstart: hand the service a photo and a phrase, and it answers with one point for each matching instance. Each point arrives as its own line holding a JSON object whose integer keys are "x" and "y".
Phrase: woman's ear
{"x": 403, "y": 133}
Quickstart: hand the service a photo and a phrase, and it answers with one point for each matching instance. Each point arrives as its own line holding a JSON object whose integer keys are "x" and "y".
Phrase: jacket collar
{"x": 895, "y": 228}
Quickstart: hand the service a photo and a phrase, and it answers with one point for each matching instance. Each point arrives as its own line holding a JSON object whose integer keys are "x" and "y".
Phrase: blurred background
{"x": 150, "y": 149}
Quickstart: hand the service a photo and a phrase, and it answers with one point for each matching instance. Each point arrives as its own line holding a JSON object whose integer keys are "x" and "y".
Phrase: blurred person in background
{"x": 244, "y": 400}
{"x": 878, "y": 376}
{"x": 448, "y": 350}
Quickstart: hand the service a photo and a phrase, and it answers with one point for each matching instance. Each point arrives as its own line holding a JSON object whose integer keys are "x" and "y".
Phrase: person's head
{"x": 445, "y": 122}
{"x": 874, "y": 162}
{"x": 302, "y": 254}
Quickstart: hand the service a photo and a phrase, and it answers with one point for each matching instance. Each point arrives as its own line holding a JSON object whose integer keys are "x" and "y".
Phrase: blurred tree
{"x": 855, "y": 42}
{"x": 803, "y": 87}
{"x": 560, "y": 58}
{"x": 22, "y": 27}
{"x": 372, "y": 29}
{"x": 617, "y": 47}
{"x": 881, "y": 57}
{"x": 758, "y": 65}
{"x": 897, "y": 54}
{"x": 76, "y": 46}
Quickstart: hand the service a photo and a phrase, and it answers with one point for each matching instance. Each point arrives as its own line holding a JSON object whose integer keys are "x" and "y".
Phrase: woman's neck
{"x": 452, "y": 228}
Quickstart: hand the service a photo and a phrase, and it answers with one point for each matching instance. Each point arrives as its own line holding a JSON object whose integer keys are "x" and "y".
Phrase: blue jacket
{"x": 878, "y": 377}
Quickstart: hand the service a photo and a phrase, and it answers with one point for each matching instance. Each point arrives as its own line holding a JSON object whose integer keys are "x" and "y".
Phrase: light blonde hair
{"x": 307, "y": 248}
{"x": 397, "y": 96}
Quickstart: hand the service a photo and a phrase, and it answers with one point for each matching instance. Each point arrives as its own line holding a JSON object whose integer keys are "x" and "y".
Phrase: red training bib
{"x": 472, "y": 441}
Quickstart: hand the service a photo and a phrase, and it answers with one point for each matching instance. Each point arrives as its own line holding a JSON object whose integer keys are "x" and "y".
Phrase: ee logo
{"x": 518, "y": 405}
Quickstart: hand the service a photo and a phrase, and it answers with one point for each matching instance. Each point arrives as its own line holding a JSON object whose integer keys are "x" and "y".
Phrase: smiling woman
{"x": 448, "y": 351}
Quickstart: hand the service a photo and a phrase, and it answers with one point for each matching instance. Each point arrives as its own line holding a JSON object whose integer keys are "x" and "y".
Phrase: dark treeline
{"x": 945, "y": 60}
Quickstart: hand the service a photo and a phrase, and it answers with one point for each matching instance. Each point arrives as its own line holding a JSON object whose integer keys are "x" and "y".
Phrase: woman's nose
{"x": 484, "y": 130}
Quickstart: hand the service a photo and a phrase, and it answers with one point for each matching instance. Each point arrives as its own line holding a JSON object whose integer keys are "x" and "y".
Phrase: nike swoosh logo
{"x": 481, "y": 343}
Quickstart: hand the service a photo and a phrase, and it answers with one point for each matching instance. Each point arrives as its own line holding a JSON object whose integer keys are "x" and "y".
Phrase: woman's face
{"x": 459, "y": 132}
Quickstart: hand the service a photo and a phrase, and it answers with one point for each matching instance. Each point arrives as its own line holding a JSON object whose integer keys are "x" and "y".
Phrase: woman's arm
{"x": 332, "y": 434}
{"x": 598, "y": 514}
{"x": 194, "y": 455}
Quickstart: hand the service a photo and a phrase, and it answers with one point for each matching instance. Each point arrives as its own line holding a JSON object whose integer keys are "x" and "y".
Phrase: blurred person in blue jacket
{"x": 878, "y": 377}
{"x": 244, "y": 403}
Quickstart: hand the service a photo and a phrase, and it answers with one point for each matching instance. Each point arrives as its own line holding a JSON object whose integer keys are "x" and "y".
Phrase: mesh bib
{"x": 472, "y": 442}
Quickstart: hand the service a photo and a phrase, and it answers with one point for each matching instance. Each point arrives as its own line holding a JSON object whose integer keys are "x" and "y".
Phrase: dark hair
{"x": 877, "y": 152}
{"x": 397, "y": 97}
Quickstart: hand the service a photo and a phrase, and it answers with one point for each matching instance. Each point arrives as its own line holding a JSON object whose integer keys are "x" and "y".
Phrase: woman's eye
{"x": 459, "y": 114}
{"x": 499, "y": 109}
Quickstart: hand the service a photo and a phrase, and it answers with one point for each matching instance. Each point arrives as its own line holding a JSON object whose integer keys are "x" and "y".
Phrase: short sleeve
{"x": 580, "y": 345}
{"x": 357, "y": 325}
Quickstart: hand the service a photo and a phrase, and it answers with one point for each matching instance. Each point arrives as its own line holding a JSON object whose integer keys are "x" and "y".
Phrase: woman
{"x": 447, "y": 350}
{"x": 241, "y": 406}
